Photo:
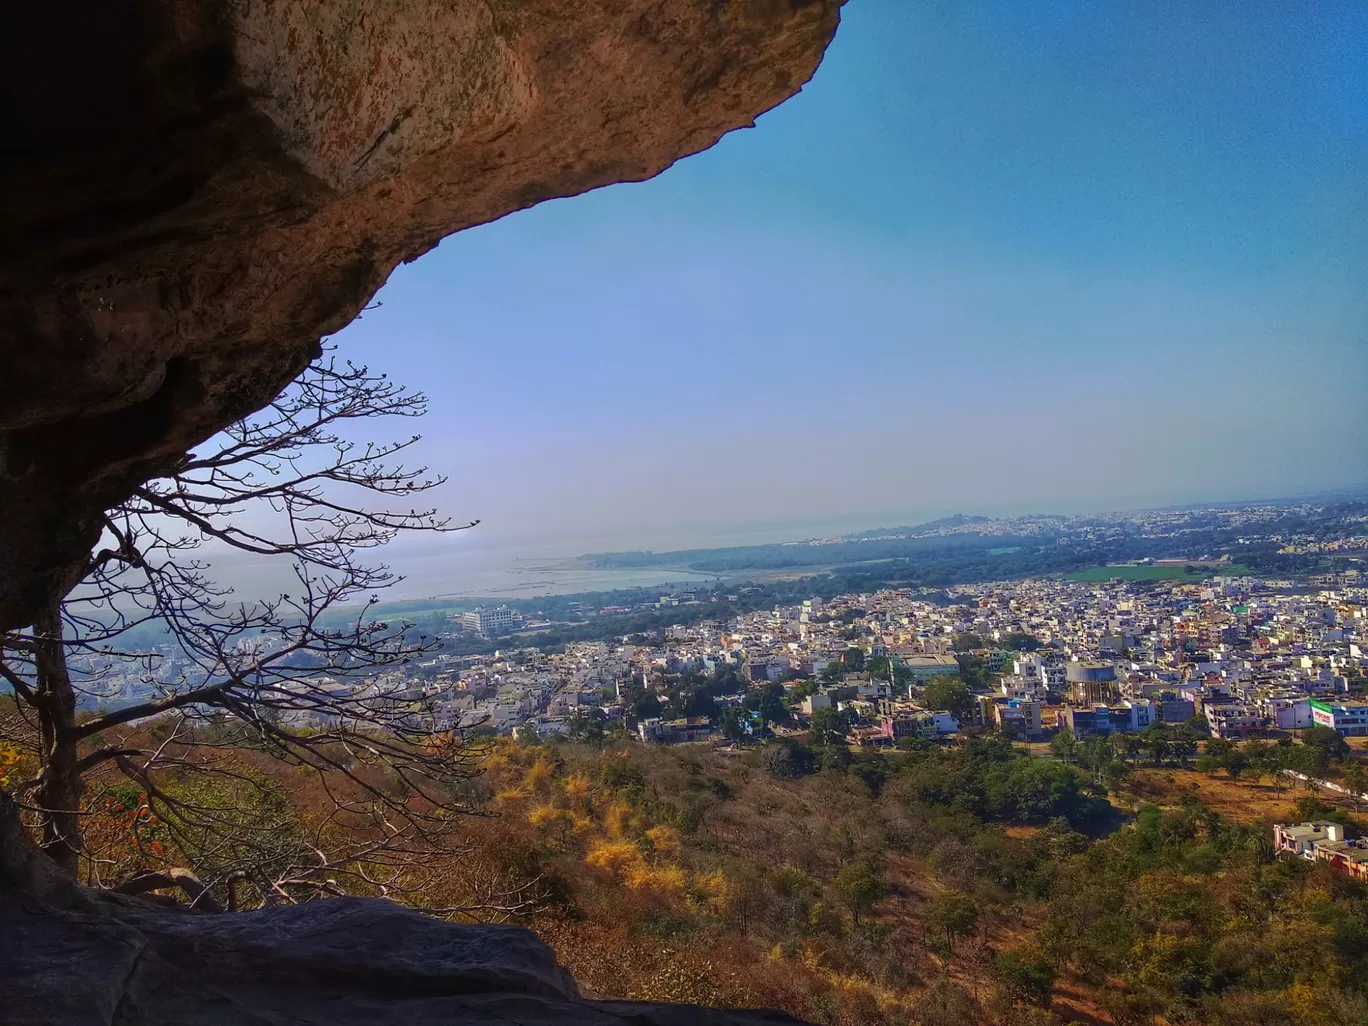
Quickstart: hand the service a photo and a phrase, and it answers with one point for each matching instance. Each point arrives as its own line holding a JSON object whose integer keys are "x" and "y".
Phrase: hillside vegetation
{"x": 930, "y": 886}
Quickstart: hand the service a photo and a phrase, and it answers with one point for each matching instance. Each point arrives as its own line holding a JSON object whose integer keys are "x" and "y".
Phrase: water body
{"x": 482, "y": 563}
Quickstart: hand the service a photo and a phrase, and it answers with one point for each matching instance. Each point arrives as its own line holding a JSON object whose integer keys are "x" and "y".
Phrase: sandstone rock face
{"x": 193, "y": 192}
{"x": 337, "y": 962}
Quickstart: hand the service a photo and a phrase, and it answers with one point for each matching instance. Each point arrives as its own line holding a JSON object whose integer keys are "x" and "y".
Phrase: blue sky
{"x": 995, "y": 256}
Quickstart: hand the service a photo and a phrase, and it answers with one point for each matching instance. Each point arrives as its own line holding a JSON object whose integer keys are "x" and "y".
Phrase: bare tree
{"x": 240, "y": 692}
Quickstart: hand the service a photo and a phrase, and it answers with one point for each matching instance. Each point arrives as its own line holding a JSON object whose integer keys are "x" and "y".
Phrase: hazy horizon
{"x": 484, "y": 564}
{"x": 1058, "y": 258}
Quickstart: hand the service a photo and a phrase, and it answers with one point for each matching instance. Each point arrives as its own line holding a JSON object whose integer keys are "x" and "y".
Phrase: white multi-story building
{"x": 491, "y": 622}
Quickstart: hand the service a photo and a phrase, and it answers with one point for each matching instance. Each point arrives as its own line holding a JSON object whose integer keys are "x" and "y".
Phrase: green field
{"x": 1151, "y": 573}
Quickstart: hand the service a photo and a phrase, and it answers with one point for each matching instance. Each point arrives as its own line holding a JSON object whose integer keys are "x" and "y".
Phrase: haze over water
{"x": 483, "y": 562}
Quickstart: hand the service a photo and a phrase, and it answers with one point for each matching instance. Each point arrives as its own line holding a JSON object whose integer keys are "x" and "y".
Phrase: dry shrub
{"x": 618, "y": 819}
{"x": 576, "y": 785}
{"x": 614, "y": 857}
{"x": 665, "y": 840}
{"x": 539, "y": 775}
{"x": 667, "y": 881}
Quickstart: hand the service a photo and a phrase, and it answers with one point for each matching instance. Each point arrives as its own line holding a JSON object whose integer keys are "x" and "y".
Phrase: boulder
{"x": 333, "y": 962}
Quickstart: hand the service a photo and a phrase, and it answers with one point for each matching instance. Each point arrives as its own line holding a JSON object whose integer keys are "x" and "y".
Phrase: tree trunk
{"x": 22, "y": 865}
{"x": 60, "y": 788}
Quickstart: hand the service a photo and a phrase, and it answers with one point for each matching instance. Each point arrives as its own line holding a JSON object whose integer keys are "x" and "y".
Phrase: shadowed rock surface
{"x": 338, "y": 962}
{"x": 193, "y": 192}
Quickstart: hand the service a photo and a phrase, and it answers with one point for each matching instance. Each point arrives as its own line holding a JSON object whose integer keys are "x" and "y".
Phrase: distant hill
{"x": 957, "y": 520}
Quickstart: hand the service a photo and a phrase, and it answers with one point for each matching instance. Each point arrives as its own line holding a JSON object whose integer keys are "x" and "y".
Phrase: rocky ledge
{"x": 333, "y": 962}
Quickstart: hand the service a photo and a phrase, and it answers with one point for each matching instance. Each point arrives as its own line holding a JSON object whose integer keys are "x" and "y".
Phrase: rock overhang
{"x": 194, "y": 193}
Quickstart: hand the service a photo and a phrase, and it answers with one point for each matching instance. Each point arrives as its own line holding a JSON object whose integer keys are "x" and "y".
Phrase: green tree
{"x": 1020, "y": 642}
{"x": 860, "y": 888}
{"x": 854, "y": 659}
{"x": 587, "y": 727}
{"x": 967, "y": 642}
{"x": 879, "y": 667}
{"x": 1328, "y": 740}
{"x": 1154, "y": 740}
{"x": 1115, "y": 773}
{"x": 733, "y": 724}
{"x": 1355, "y": 780}
{"x": 954, "y": 914}
{"x": 1218, "y": 748}
{"x": 1064, "y": 745}
{"x": 1025, "y": 977}
{"x": 1309, "y": 760}
{"x": 1357, "y": 681}
{"x": 1236, "y": 763}
{"x": 1275, "y": 762}
{"x": 1095, "y": 754}
{"x": 902, "y": 676}
{"x": 1183, "y": 747}
{"x": 946, "y": 694}
{"x": 829, "y": 726}
{"x": 768, "y": 701}
{"x": 786, "y": 760}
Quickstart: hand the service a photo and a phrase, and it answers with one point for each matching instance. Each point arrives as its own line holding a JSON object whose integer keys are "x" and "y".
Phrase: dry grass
{"x": 1236, "y": 800}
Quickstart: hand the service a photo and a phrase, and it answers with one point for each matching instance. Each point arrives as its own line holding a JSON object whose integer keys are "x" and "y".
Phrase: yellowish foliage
{"x": 9, "y": 759}
{"x": 680, "y": 979}
{"x": 665, "y": 879}
{"x": 539, "y": 774}
{"x": 886, "y": 1000}
{"x": 543, "y": 815}
{"x": 500, "y": 755}
{"x": 714, "y": 891}
{"x": 617, "y": 819}
{"x": 580, "y": 824}
{"x": 495, "y": 762}
{"x": 576, "y": 786}
{"x": 615, "y": 857}
{"x": 811, "y": 956}
{"x": 512, "y": 794}
{"x": 1313, "y": 1006}
{"x": 714, "y": 884}
{"x": 665, "y": 840}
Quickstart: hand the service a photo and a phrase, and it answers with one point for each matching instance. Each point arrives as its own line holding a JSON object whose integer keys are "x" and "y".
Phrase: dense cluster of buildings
{"x": 1240, "y": 655}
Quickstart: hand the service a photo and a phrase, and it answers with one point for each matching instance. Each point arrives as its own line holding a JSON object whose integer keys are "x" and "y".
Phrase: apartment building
{"x": 1349, "y": 718}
